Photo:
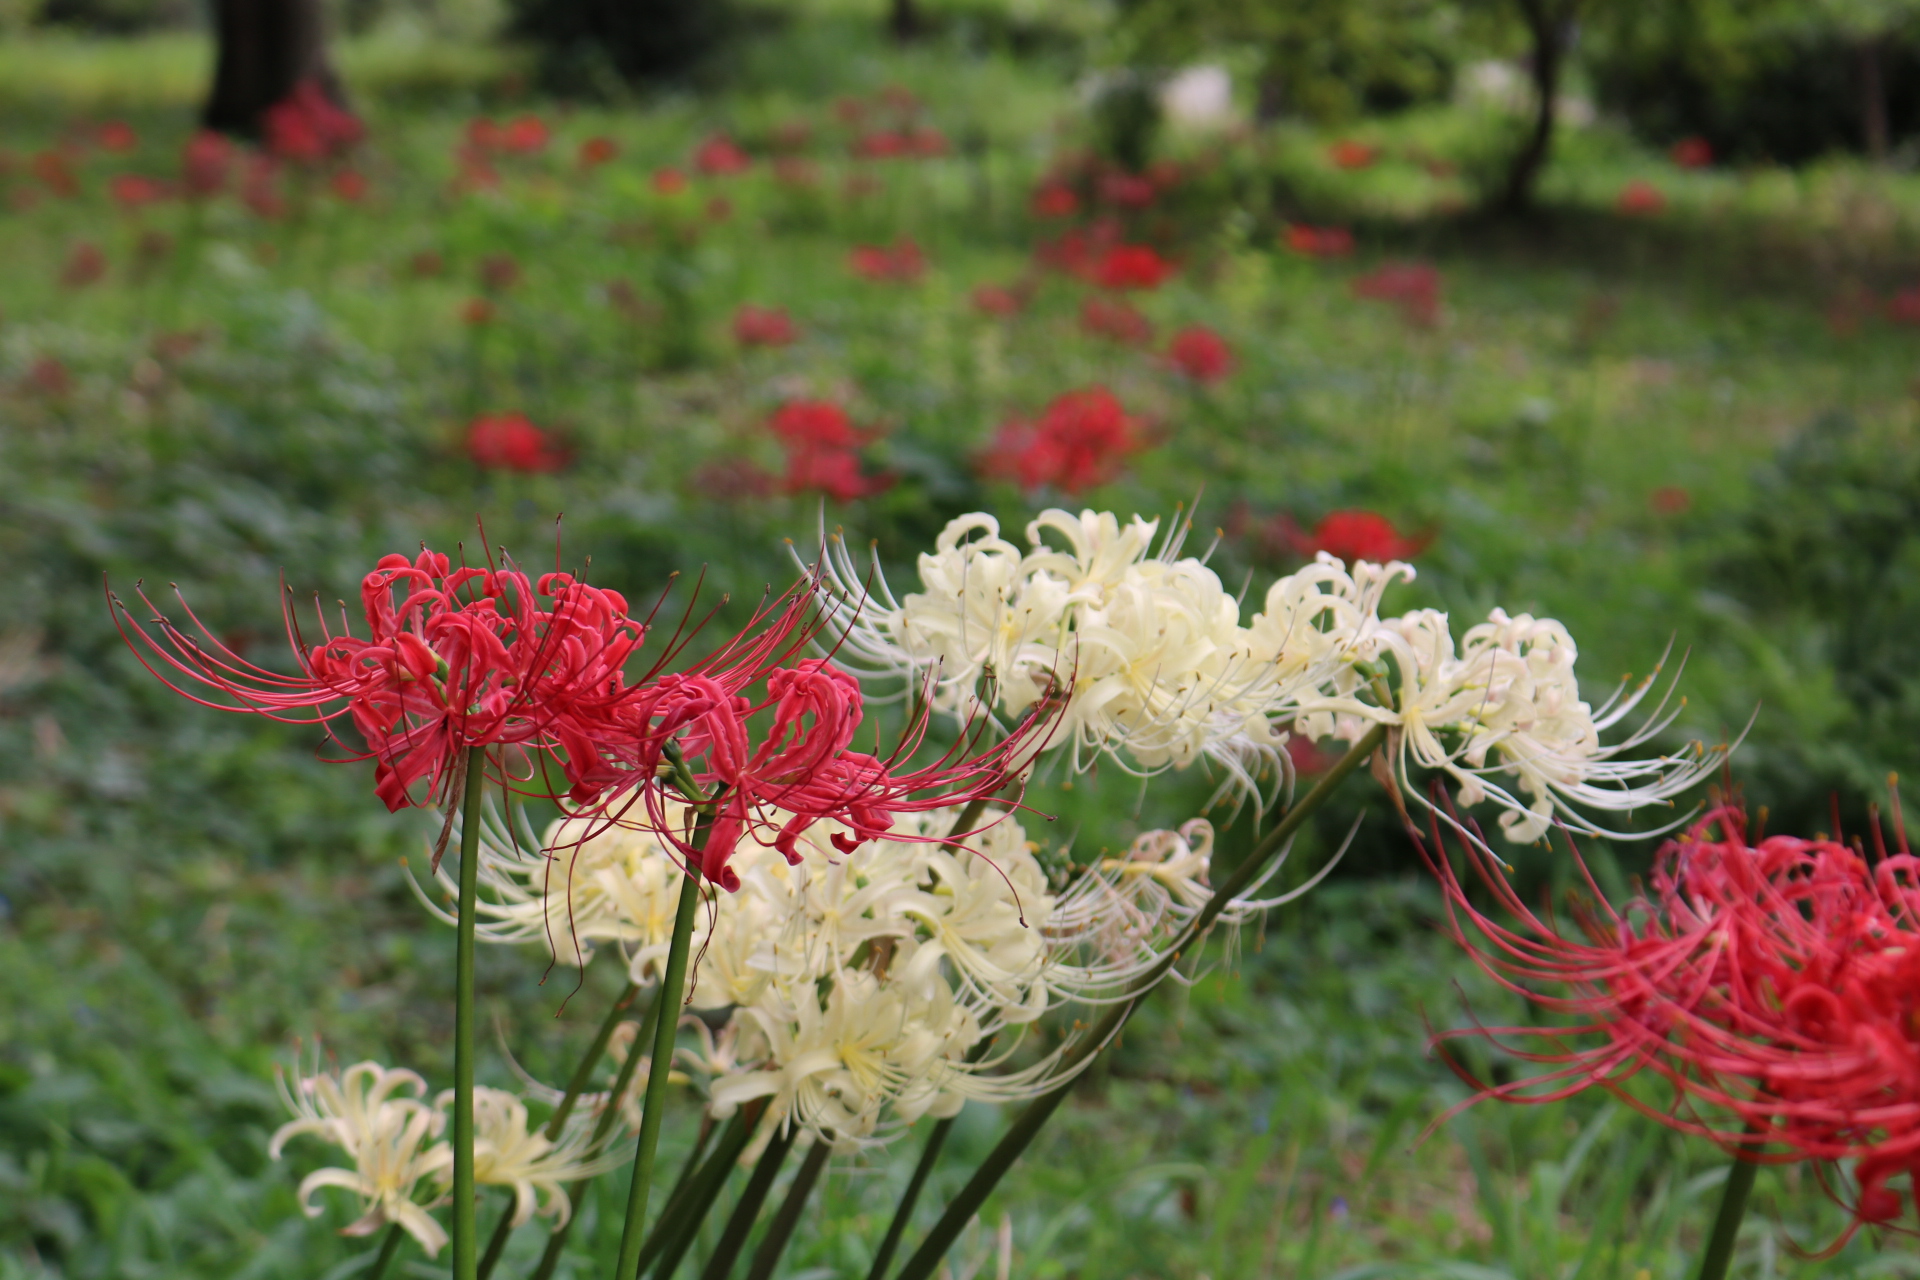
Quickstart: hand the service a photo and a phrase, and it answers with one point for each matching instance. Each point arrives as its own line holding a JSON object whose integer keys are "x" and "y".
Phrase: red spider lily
{"x": 1348, "y": 536}
{"x": 994, "y": 300}
{"x": 510, "y": 442}
{"x": 1640, "y": 199}
{"x": 719, "y": 155}
{"x": 117, "y": 135}
{"x": 483, "y": 134}
{"x": 849, "y": 110}
{"x": 426, "y": 264}
{"x": 53, "y": 171}
{"x": 499, "y": 272}
{"x": 837, "y": 473}
{"x": 455, "y": 659}
{"x": 1904, "y": 306}
{"x": 1669, "y": 500}
{"x": 1414, "y": 287}
{"x": 85, "y": 264}
{"x": 763, "y": 326}
{"x": 669, "y": 182}
{"x": 204, "y": 164}
{"x": 795, "y": 171}
{"x": 1349, "y": 154}
{"x": 901, "y": 262}
{"x": 815, "y": 424}
{"x": 308, "y": 126}
{"x": 1132, "y": 266}
{"x": 1128, "y": 190}
{"x": 1082, "y": 439}
{"x": 132, "y": 191}
{"x": 1055, "y": 200}
{"x": 49, "y": 377}
{"x": 1112, "y": 318}
{"x": 1692, "y": 153}
{"x": 1318, "y": 242}
{"x": 524, "y": 135}
{"x": 719, "y": 209}
{"x": 882, "y": 144}
{"x": 928, "y": 143}
{"x": 478, "y": 311}
{"x": 1200, "y": 354}
{"x": 597, "y": 151}
{"x": 1777, "y": 983}
{"x": 349, "y": 185}
{"x": 260, "y": 189}
{"x": 899, "y": 98}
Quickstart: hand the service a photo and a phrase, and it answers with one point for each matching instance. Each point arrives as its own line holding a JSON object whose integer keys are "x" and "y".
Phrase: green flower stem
{"x": 666, "y": 1028}
{"x": 465, "y": 1242}
{"x": 389, "y": 1245}
{"x": 903, "y": 1212}
{"x": 680, "y": 1221}
{"x": 557, "y": 1239}
{"x": 575, "y": 1086}
{"x": 927, "y": 1257}
{"x": 733, "y": 1238}
{"x": 780, "y": 1230}
{"x": 1726, "y": 1225}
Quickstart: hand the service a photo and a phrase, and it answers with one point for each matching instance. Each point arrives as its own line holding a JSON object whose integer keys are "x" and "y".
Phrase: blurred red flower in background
{"x": 822, "y": 447}
{"x": 476, "y": 311}
{"x": 1082, "y": 439}
{"x": 1318, "y": 242}
{"x": 511, "y": 442}
{"x": 524, "y": 135}
{"x": 1346, "y": 535}
{"x": 426, "y": 264}
{"x": 881, "y": 144}
{"x": 117, "y": 135}
{"x": 1640, "y": 199}
{"x": 1904, "y": 306}
{"x": 1692, "y": 153}
{"x": 815, "y": 424}
{"x": 499, "y": 272}
{"x": 901, "y": 262}
{"x": 308, "y": 126}
{"x": 795, "y": 171}
{"x": 719, "y": 155}
{"x": 483, "y": 134}
{"x": 53, "y": 171}
{"x": 132, "y": 191}
{"x": 205, "y": 163}
{"x": 1116, "y": 320}
{"x": 763, "y": 326}
{"x": 84, "y": 265}
{"x": 927, "y": 143}
{"x": 349, "y": 185}
{"x": 669, "y": 182}
{"x": 1132, "y": 266}
{"x": 1414, "y": 287}
{"x": 1670, "y": 500}
{"x": 1128, "y": 190}
{"x": 1349, "y": 154}
{"x": 260, "y": 187}
{"x": 597, "y": 151}
{"x": 996, "y": 300}
{"x": 1055, "y": 200}
{"x": 1200, "y": 354}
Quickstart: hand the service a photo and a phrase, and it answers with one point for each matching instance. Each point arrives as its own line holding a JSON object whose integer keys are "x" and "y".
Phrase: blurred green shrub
{"x": 1786, "y": 81}
{"x": 1326, "y": 60}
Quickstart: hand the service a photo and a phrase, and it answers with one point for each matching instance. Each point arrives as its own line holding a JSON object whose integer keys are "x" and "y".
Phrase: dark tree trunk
{"x": 266, "y": 47}
{"x": 1548, "y": 24}
{"x": 903, "y": 20}
{"x": 1873, "y": 101}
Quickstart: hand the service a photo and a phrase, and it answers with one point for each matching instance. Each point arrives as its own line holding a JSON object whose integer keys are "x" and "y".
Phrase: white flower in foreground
{"x": 510, "y": 1152}
{"x": 377, "y": 1116}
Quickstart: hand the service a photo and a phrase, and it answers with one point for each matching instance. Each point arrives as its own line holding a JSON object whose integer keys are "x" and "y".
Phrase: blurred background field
{"x": 1672, "y": 401}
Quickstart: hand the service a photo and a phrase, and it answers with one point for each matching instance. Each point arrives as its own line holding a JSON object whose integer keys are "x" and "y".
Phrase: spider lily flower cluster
{"x": 1772, "y": 987}
{"x": 399, "y": 1165}
{"x": 861, "y": 989}
{"x": 1145, "y": 653}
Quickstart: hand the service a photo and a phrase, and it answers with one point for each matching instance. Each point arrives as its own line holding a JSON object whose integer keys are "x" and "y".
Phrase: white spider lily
{"x": 377, "y": 1116}
{"x": 1145, "y": 645}
{"x": 510, "y": 1152}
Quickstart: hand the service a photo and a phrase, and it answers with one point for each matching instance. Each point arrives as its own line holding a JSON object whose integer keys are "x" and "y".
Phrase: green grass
{"x": 185, "y": 893}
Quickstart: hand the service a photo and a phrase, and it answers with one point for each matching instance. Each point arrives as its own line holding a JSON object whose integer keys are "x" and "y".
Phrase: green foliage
{"x": 1329, "y": 61}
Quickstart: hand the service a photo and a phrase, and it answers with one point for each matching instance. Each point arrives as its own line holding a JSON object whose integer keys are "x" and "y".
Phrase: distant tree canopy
{"x": 591, "y": 46}
{"x": 1785, "y": 80}
{"x": 1325, "y": 60}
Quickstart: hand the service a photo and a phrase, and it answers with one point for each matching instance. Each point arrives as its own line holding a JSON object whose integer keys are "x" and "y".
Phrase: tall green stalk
{"x": 780, "y": 1230}
{"x": 1016, "y": 1140}
{"x": 903, "y": 1212}
{"x": 389, "y": 1246}
{"x": 733, "y": 1237}
{"x": 680, "y": 1220}
{"x": 1726, "y": 1224}
{"x": 465, "y": 1242}
{"x": 672, "y": 990}
{"x": 558, "y": 1121}
{"x": 557, "y": 1239}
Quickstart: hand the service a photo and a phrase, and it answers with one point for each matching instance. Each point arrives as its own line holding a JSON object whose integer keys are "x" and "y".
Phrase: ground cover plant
{"x": 704, "y": 327}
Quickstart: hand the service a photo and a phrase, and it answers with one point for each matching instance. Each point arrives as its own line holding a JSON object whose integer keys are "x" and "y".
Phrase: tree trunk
{"x": 1873, "y": 101}
{"x": 903, "y": 20}
{"x": 266, "y": 47}
{"x": 1547, "y": 23}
